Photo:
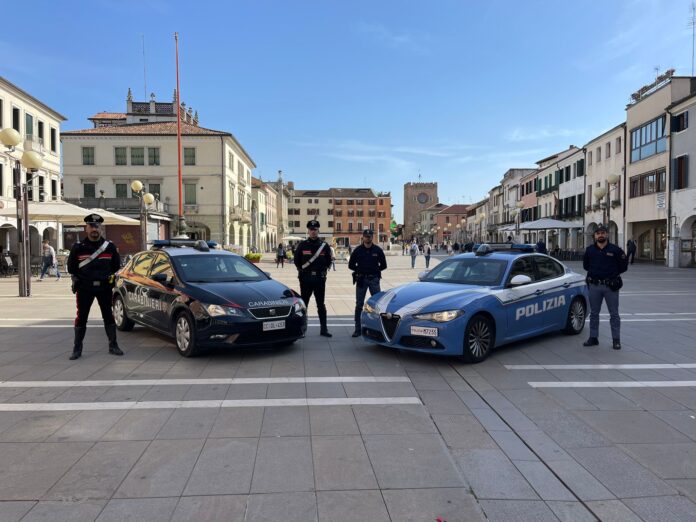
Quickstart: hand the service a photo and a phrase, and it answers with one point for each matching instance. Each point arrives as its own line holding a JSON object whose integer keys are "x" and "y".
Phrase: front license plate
{"x": 274, "y": 325}
{"x": 424, "y": 330}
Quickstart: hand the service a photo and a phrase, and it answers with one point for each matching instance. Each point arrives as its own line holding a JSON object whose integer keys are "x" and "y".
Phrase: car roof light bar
{"x": 198, "y": 244}
{"x": 488, "y": 248}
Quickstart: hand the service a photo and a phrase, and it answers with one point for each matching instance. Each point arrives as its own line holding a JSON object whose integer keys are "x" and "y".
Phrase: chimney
{"x": 152, "y": 103}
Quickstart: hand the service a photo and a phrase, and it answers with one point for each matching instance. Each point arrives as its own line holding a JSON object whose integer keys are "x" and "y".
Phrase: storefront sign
{"x": 661, "y": 200}
{"x": 73, "y": 229}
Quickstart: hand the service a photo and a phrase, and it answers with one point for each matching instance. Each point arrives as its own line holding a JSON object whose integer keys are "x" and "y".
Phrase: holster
{"x": 615, "y": 284}
{"x": 74, "y": 284}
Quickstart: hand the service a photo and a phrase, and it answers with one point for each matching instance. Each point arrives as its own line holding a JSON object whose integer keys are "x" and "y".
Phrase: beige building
{"x": 417, "y": 197}
{"x": 311, "y": 204}
{"x": 605, "y": 158}
{"x": 217, "y": 189}
{"x": 428, "y": 222}
{"x": 38, "y": 126}
{"x": 496, "y": 214}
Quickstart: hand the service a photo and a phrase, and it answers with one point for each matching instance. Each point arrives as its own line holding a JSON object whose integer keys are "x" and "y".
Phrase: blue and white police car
{"x": 470, "y": 303}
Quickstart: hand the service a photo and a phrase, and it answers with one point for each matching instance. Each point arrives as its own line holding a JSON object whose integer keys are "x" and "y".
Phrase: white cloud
{"x": 538, "y": 133}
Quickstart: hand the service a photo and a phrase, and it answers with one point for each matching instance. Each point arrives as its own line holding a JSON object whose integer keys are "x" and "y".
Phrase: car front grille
{"x": 269, "y": 312}
{"x": 390, "y": 323}
{"x": 415, "y": 341}
{"x": 373, "y": 334}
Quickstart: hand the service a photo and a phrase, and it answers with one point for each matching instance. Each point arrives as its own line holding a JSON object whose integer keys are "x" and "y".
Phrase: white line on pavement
{"x": 248, "y": 403}
{"x": 174, "y": 382}
{"x": 656, "y": 366}
{"x": 613, "y": 384}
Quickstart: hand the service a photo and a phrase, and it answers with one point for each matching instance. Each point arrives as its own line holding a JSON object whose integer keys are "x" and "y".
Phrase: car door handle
{"x": 566, "y": 285}
{"x": 538, "y": 292}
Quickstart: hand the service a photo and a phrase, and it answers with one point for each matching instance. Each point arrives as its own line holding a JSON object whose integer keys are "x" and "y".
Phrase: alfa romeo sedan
{"x": 204, "y": 297}
{"x": 472, "y": 302}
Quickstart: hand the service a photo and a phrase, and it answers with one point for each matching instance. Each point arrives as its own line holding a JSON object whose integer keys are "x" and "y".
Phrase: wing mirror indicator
{"x": 423, "y": 275}
{"x": 520, "y": 280}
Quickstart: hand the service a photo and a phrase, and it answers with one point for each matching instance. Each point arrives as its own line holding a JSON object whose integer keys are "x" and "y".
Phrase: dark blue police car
{"x": 205, "y": 297}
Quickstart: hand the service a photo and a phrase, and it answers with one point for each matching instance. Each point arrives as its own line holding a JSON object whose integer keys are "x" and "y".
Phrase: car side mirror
{"x": 423, "y": 275}
{"x": 161, "y": 278}
{"x": 520, "y": 279}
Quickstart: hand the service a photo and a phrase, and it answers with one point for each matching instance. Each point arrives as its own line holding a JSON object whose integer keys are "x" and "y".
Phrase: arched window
{"x": 645, "y": 247}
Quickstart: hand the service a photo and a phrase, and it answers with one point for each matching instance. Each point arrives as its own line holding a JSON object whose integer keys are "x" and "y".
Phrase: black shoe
{"x": 80, "y": 332}
{"x": 616, "y": 344}
{"x": 111, "y": 334}
{"x": 325, "y": 333}
{"x": 356, "y": 333}
{"x": 76, "y": 355}
{"x": 592, "y": 341}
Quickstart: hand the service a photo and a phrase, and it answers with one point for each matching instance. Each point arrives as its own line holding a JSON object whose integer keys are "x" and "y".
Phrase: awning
{"x": 66, "y": 213}
{"x": 549, "y": 224}
{"x": 293, "y": 238}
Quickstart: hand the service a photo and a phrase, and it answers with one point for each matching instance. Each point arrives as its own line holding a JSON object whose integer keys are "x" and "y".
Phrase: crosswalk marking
{"x": 613, "y": 384}
{"x": 657, "y": 366}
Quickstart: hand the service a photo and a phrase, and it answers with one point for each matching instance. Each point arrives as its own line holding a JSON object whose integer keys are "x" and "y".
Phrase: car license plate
{"x": 273, "y": 325}
{"x": 424, "y": 330}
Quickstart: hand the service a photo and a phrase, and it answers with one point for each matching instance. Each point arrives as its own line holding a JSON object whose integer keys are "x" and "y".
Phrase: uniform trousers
{"x": 364, "y": 284}
{"x": 85, "y": 297}
{"x": 315, "y": 285}
{"x": 597, "y": 294}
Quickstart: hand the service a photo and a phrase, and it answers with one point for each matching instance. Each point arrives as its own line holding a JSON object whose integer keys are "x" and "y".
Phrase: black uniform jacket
{"x": 367, "y": 261}
{"x": 101, "y": 268}
{"x": 604, "y": 263}
{"x": 306, "y": 250}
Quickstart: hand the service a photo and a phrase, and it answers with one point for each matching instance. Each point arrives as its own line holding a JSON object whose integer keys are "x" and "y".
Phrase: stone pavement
{"x": 339, "y": 429}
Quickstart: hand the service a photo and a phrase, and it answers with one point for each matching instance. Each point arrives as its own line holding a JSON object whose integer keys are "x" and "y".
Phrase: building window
{"x": 599, "y": 154}
{"x": 607, "y": 150}
{"x": 680, "y": 172}
{"x": 680, "y": 122}
{"x": 54, "y": 189}
{"x": 155, "y": 189}
{"x": 618, "y": 145}
{"x": 648, "y": 183}
{"x": 189, "y": 193}
{"x": 309, "y": 201}
{"x": 330, "y": 224}
{"x": 648, "y": 140}
{"x": 40, "y": 125}
{"x": 28, "y": 124}
{"x": 120, "y": 157}
{"x": 153, "y": 156}
{"x": 53, "y": 140}
{"x": 88, "y": 155}
{"x": 189, "y": 155}
{"x": 15, "y": 119}
{"x": 338, "y": 226}
{"x": 121, "y": 190}
{"x": 589, "y": 158}
{"x": 350, "y": 226}
{"x": 89, "y": 190}
{"x": 137, "y": 156}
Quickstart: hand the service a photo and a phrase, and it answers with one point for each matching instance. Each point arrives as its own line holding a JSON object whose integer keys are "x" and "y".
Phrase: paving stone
{"x": 325, "y": 390}
{"x": 286, "y": 507}
{"x": 580, "y": 481}
{"x": 246, "y": 391}
{"x": 351, "y": 506}
{"x": 332, "y": 420}
{"x": 189, "y": 423}
{"x": 210, "y": 508}
{"x": 567, "y": 430}
{"x": 138, "y": 425}
{"x": 571, "y": 512}
{"x": 648, "y": 399}
{"x": 492, "y": 475}
{"x": 411, "y": 461}
{"x": 543, "y": 445}
{"x": 463, "y": 432}
{"x": 545, "y": 483}
{"x": 341, "y": 462}
{"x": 513, "y": 446}
{"x": 66, "y": 511}
{"x": 237, "y": 422}
{"x": 224, "y": 467}
{"x": 28, "y": 470}
{"x": 13, "y": 511}
{"x": 632, "y": 427}
{"x": 613, "y": 510}
{"x": 283, "y": 464}
{"x": 162, "y": 470}
{"x": 87, "y": 425}
{"x": 428, "y": 381}
{"x": 661, "y": 509}
{"x": 36, "y": 426}
{"x": 684, "y": 421}
{"x": 676, "y": 461}
{"x": 285, "y": 421}
{"x": 607, "y": 399}
{"x": 379, "y": 389}
{"x": 516, "y": 510}
{"x": 393, "y": 419}
{"x": 490, "y": 419}
{"x": 145, "y": 509}
{"x": 443, "y": 402}
{"x": 286, "y": 390}
{"x": 417, "y": 505}
{"x": 99, "y": 472}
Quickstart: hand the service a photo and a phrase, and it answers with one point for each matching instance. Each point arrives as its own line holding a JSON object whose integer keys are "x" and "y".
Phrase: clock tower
{"x": 417, "y": 196}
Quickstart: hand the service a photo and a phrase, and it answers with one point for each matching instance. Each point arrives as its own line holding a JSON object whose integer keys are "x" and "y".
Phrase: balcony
{"x": 33, "y": 143}
{"x": 119, "y": 205}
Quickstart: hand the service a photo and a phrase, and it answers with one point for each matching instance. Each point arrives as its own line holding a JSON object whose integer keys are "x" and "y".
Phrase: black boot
{"x": 356, "y": 332}
{"x": 80, "y": 332}
{"x": 592, "y": 341}
{"x": 111, "y": 334}
{"x": 616, "y": 344}
{"x": 323, "y": 331}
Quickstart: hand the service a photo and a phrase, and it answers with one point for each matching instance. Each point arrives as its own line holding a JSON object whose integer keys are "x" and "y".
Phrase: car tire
{"x": 118, "y": 309}
{"x": 185, "y": 335}
{"x": 479, "y": 339}
{"x": 577, "y": 312}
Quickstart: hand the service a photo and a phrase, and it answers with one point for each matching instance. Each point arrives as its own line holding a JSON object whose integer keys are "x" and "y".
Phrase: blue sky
{"x": 362, "y": 93}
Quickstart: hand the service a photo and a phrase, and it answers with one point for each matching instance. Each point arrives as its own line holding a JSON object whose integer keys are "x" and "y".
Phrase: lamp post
{"x": 599, "y": 194}
{"x": 145, "y": 199}
{"x": 612, "y": 180}
{"x": 519, "y": 205}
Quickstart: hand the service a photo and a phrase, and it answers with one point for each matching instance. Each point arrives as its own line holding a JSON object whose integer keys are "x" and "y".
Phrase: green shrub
{"x": 253, "y": 257}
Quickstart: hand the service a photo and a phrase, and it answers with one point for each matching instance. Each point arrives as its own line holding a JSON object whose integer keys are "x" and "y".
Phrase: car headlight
{"x": 299, "y": 307}
{"x": 440, "y": 317}
{"x": 369, "y": 309}
{"x": 219, "y": 310}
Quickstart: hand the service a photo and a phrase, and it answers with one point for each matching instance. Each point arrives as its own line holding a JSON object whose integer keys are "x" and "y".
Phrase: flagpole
{"x": 181, "y": 232}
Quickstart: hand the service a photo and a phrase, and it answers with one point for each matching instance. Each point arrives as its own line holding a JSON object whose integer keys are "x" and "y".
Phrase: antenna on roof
{"x": 144, "y": 67}
{"x": 419, "y": 175}
{"x": 692, "y": 24}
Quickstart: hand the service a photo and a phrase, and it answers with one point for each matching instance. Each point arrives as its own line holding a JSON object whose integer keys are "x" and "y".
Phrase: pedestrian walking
{"x": 92, "y": 264}
{"x": 426, "y": 252}
{"x": 280, "y": 256}
{"x": 333, "y": 257}
{"x": 48, "y": 260}
{"x": 367, "y": 263}
{"x": 413, "y": 250}
{"x": 631, "y": 248}
{"x": 313, "y": 259}
{"x": 604, "y": 263}
{"x": 541, "y": 247}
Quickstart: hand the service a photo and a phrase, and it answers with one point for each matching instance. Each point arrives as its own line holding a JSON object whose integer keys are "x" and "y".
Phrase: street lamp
{"x": 519, "y": 205}
{"x": 599, "y": 194}
{"x": 145, "y": 199}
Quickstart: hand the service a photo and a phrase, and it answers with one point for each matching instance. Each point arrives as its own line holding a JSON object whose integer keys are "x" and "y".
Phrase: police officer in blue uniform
{"x": 604, "y": 263}
{"x": 313, "y": 259}
{"x": 367, "y": 262}
{"x": 92, "y": 263}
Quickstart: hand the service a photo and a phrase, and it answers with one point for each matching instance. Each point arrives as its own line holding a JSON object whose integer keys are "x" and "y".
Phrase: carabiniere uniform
{"x": 312, "y": 269}
{"x": 92, "y": 266}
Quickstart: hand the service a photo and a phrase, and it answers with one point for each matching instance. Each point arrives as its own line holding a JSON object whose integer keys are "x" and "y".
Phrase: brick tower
{"x": 417, "y": 196}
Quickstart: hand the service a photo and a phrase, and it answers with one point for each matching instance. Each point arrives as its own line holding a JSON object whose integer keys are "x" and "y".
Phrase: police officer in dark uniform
{"x": 604, "y": 262}
{"x": 92, "y": 264}
{"x": 313, "y": 259}
{"x": 367, "y": 262}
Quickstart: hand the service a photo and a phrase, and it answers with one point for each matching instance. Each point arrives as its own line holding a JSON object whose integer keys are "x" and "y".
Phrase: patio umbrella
{"x": 63, "y": 212}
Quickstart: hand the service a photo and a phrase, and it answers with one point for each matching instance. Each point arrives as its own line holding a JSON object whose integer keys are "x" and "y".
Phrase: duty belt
{"x": 314, "y": 273}
{"x": 595, "y": 281}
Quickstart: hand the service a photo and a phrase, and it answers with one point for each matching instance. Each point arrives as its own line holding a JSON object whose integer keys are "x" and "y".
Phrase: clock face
{"x": 422, "y": 198}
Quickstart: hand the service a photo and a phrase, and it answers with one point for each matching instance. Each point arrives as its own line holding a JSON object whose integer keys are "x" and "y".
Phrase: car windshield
{"x": 216, "y": 268}
{"x": 468, "y": 271}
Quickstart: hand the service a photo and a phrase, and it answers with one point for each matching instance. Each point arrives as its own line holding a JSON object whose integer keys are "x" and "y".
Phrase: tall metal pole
{"x": 182, "y": 221}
